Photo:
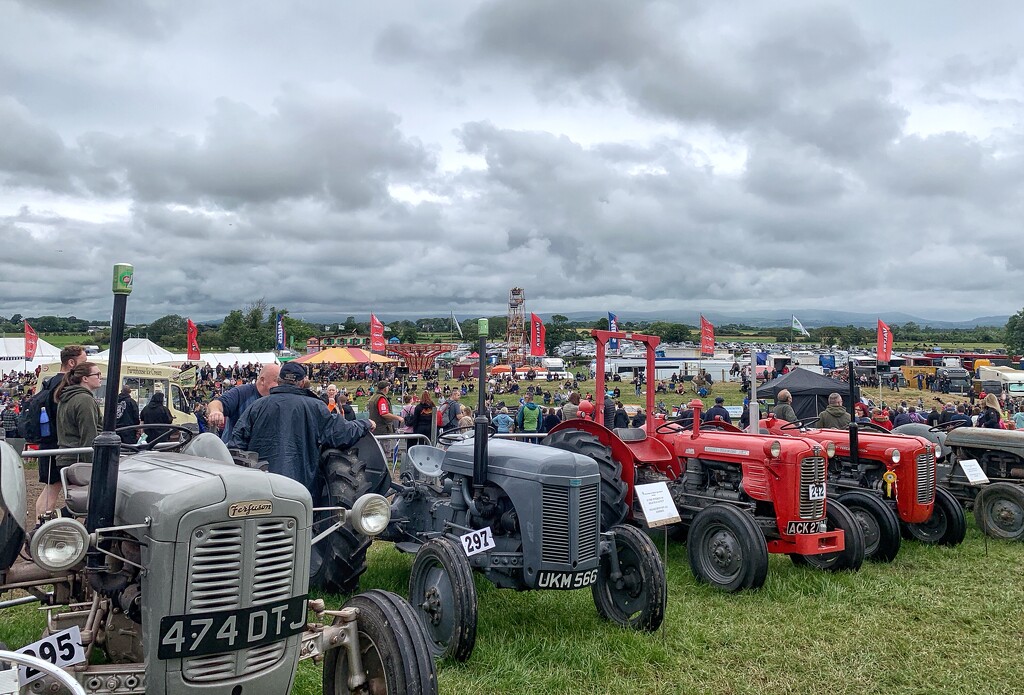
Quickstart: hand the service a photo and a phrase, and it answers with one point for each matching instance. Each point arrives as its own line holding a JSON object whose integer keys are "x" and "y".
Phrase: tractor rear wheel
{"x": 443, "y": 595}
{"x": 337, "y": 561}
{"x": 613, "y": 489}
{"x": 879, "y": 523}
{"x": 637, "y": 599}
{"x": 999, "y": 511}
{"x": 947, "y": 525}
{"x": 394, "y": 651}
{"x": 726, "y": 549}
{"x": 851, "y": 557}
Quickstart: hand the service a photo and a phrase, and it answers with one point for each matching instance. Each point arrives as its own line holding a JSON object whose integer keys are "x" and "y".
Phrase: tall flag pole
{"x": 457, "y": 325}
{"x": 279, "y": 329}
{"x": 192, "y": 335}
{"x": 376, "y": 334}
{"x": 31, "y": 342}
{"x": 537, "y": 336}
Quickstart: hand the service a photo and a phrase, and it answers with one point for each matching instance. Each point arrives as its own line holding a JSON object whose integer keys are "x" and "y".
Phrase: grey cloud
{"x": 31, "y": 154}
{"x": 136, "y": 20}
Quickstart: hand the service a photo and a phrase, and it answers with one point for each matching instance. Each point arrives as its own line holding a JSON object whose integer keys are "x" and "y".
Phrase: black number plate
{"x": 183, "y": 636}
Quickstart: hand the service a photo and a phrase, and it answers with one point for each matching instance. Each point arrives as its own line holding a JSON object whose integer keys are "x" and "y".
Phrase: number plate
{"x": 183, "y": 636}
{"x": 60, "y": 649}
{"x": 796, "y": 527}
{"x": 566, "y": 580}
{"x": 477, "y": 541}
{"x": 816, "y": 492}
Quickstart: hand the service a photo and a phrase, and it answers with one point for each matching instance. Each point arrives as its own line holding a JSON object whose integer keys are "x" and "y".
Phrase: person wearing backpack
{"x": 29, "y": 428}
{"x": 529, "y": 417}
{"x": 450, "y": 412}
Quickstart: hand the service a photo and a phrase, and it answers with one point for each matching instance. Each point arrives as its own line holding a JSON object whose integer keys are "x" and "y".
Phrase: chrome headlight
{"x": 370, "y": 515}
{"x": 59, "y": 544}
{"x": 830, "y": 449}
{"x": 894, "y": 455}
{"x": 776, "y": 449}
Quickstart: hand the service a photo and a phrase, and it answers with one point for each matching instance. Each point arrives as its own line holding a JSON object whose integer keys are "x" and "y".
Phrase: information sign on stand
{"x": 657, "y": 503}
{"x": 975, "y": 475}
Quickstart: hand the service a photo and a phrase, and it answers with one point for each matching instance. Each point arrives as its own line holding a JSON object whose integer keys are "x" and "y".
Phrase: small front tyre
{"x": 879, "y": 523}
{"x": 999, "y": 511}
{"x": 637, "y": 598}
{"x": 726, "y": 549}
{"x": 947, "y": 525}
{"x": 851, "y": 557}
{"x": 394, "y": 651}
{"x": 442, "y": 592}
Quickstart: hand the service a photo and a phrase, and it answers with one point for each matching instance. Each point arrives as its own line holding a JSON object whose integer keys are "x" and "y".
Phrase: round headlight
{"x": 895, "y": 455}
{"x": 59, "y": 544}
{"x": 370, "y": 514}
{"x": 776, "y": 449}
{"x": 830, "y": 449}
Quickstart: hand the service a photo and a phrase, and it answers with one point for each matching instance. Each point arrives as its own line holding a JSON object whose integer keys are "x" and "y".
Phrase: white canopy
{"x": 228, "y": 359}
{"x": 140, "y": 350}
{"x": 12, "y": 355}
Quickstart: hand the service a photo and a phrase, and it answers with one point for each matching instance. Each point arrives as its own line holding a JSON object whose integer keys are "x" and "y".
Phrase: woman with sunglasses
{"x": 78, "y": 413}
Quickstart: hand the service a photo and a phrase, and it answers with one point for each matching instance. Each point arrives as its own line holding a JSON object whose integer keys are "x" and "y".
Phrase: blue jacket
{"x": 287, "y": 427}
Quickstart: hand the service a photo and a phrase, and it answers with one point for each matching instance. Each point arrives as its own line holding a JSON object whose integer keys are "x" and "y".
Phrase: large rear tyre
{"x": 395, "y": 655}
{"x": 999, "y": 511}
{"x": 636, "y": 599}
{"x": 336, "y": 562}
{"x": 726, "y": 549}
{"x": 443, "y": 595}
{"x": 851, "y": 557}
{"x": 947, "y": 525}
{"x": 879, "y": 523}
{"x": 613, "y": 489}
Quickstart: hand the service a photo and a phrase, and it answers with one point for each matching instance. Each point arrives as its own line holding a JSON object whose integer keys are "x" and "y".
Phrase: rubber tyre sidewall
{"x": 651, "y": 570}
{"x": 885, "y": 520}
{"x": 447, "y": 555}
{"x": 986, "y": 498}
{"x": 748, "y": 537}
{"x": 947, "y": 506}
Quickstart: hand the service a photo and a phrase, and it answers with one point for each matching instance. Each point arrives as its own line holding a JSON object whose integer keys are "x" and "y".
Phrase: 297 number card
{"x": 61, "y": 649}
{"x": 477, "y": 541}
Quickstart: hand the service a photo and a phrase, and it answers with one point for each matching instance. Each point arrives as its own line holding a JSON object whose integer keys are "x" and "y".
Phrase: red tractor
{"x": 739, "y": 496}
{"x": 888, "y": 483}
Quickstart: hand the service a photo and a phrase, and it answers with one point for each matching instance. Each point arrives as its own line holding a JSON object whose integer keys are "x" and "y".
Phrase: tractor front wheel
{"x": 442, "y": 592}
{"x": 851, "y": 557}
{"x": 999, "y": 511}
{"x": 879, "y": 523}
{"x": 394, "y": 652}
{"x": 637, "y": 598}
{"x": 613, "y": 489}
{"x": 726, "y": 549}
{"x": 947, "y": 524}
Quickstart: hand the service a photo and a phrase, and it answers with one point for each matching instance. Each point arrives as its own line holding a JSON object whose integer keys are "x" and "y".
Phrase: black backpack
{"x": 28, "y": 419}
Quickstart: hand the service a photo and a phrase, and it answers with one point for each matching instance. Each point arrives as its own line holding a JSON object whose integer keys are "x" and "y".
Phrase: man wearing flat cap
{"x": 718, "y": 412}
{"x": 288, "y": 426}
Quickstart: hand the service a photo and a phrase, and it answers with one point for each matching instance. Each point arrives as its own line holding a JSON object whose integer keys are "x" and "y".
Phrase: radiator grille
{"x": 926, "y": 478}
{"x": 590, "y": 502}
{"x": 224, "y": 576}
{"x": 555, "y": 525}
{"x": 812, "y": 470}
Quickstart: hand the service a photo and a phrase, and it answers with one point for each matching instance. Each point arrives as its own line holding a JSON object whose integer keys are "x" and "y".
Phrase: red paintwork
{"x": 872, "y": 446}
{"x": 764, "y": 478}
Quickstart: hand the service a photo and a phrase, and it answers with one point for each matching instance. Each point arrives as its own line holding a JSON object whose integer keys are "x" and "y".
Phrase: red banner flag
{"x": 883, "y": 351}
{"x": 31, "y": 341}
{"x": 707, "y": 337}
{"x": 192, "y": 339}
{"x": 537, "y": 335}
{"x": 376, "y": 334}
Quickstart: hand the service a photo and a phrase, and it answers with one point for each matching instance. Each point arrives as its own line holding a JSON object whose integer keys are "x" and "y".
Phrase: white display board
{"x": 658, "y": 505}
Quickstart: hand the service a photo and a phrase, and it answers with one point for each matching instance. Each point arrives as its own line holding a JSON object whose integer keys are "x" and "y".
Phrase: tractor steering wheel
{"x": 800, "y": 424}
{"x": 159, "y": 438}
{"x": 461, "y": 434}
{"x": 872, "y": 426}
{"x": 948, "y": 425}
{"x": 674, "y": 426}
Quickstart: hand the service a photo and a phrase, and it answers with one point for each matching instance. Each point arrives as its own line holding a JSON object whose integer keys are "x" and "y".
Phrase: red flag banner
{"x": 537, "y": 335}
{"x": 31, "y": 341}
{"x": 192, "y": 338}
{"x": 883, "y": 351}
{"x": 376, "y": 334}
{"x": 707, "y": 337}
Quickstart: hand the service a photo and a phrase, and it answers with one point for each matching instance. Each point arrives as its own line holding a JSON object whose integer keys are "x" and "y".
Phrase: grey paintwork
{"x": 13, "y": 493}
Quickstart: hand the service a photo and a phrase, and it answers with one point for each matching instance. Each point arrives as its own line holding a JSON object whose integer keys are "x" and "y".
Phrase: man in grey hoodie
{"x": 834, "y": 416}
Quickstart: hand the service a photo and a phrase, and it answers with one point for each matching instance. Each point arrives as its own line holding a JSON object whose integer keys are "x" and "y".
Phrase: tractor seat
{"x": 76, "y": 487}
{"x": 631, "y": 434}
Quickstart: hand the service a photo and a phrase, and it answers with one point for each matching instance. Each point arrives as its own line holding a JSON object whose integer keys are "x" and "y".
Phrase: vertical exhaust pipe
{"x": 481, "y": 421}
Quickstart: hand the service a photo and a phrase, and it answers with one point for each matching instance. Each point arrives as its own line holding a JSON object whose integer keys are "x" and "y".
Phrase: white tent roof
{"x": 12, "y": 355}
{"x": 228, "y": 359}
{"x": 140, "y": 350}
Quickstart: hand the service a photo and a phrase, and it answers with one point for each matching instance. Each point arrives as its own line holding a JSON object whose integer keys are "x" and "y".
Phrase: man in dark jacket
{"x": 717, "y": 412}
{"x": 609, "y": 409}
{"x": 621, "y": 416}
{"x": 288, "y": 426}
{"x": 127, "y": 415}
{"x": 834, "y": 416}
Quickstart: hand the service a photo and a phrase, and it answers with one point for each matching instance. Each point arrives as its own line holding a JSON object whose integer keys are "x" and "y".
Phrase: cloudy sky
{"x": 337, "y": 157}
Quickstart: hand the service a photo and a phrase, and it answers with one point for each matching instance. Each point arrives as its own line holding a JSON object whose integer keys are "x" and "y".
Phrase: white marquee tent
{"x": 139, "y": 350}
{"x": 12, "y": 355}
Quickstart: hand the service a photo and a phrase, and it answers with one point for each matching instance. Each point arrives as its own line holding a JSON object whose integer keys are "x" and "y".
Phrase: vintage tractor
{"x": 998, "y": 504}
{"x": 888, "y": 483}
{"x": 739, "y": 496}
{"x": 189, "y": 575}
{"x": 525, "y": 517}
